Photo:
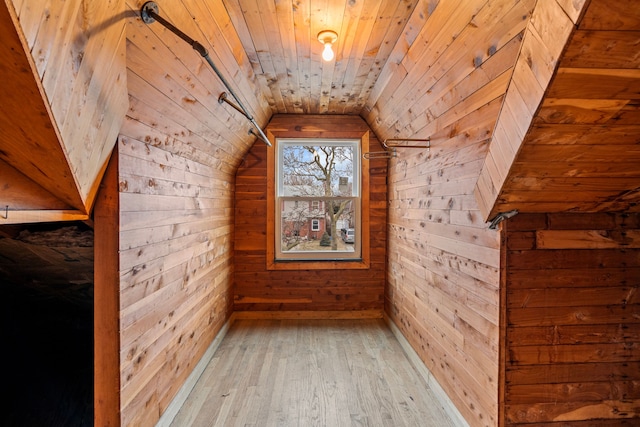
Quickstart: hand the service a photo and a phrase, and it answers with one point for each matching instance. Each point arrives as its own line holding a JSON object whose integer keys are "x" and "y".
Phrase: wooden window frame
{"x": 274, "y": 264}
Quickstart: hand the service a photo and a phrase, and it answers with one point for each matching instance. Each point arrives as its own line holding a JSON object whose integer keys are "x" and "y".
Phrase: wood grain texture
{"x": 441, "y": 69}
{"x": 176, "y": 231}
{"x": 72, "y": 92}
{"x": 30, "y": 141}
{"x": 106, "y": 313}
{"x": 592, "y": 84}
{"x": 572, "y": 320}
{"x": 310, "y": 372}
{"x": 443, "y": 265}
{"x": 280, "y": 41}
{"x": 317, "y": 287}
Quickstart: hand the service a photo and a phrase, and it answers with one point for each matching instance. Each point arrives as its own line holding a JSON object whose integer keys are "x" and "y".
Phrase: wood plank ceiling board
{"x": 581, "y": 149}
{"x": 68, "y": 99}
{"x": 29, "y": 141}
{"x": 175, "y": 91}
{"x": 281, "y": 42}
{"x": 270, "y": 53}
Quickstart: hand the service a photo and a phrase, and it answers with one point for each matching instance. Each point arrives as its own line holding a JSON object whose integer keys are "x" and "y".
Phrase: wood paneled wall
{"x": 573, "y": 320}
{"x": 259, "y": 289}
{"x": 177, "y": 156}
{"x": 443, "y": 262}
{"x": 176, "y": 236}
{"x": 175, "y": 264}
{"x": 545, "y": 37}
{"x": 567, "y": 136}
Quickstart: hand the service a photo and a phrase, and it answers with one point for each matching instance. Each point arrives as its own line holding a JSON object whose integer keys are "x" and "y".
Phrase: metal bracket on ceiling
{"x": 501, "y": 217}
{"x": 148, "y": 10}
{"x": 392, "y": 144}
{"x": 149, "y": 15}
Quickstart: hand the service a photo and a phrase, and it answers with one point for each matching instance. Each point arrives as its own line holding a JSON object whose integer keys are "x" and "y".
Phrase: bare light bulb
{"x": 327, "y": 38}
{"x": 327, "y": 53}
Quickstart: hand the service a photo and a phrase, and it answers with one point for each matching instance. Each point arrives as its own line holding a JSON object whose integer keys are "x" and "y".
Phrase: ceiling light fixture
{"x": 327, "y": 38}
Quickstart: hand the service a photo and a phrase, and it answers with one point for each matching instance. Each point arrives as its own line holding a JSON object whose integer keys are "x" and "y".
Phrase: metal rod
{"x": 386, "y": 146}
{"x": 149, "y": 14}
{"x": 224, "y": 98}
{"x": 390, "y": 149}
{"x": 381, "y": 154}
{"x": 252, "y": 132}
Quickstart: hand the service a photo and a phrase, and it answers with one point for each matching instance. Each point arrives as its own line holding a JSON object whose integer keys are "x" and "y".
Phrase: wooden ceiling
{"x": 280, "y": 41}
{"x": 399, "y": 65}
{"x": 581, "y": 150}
{"x": 62, "y": 109}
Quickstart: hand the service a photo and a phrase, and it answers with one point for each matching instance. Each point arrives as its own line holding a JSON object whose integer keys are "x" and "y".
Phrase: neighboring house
{"x": 307, "y": 218}
{"x": 303, "y": 218}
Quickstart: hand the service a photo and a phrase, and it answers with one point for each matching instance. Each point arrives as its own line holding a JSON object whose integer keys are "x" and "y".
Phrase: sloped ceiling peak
{"x": 280, "y": 39}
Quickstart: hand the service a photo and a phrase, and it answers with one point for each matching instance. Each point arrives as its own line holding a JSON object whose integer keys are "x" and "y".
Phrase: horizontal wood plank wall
{"x": 260, "y": 289}
{"x": 443, "y": 261}
{"x": 573, "y": 320}
{"x": 178, "y": 153}
{"x": 176, "y": 237}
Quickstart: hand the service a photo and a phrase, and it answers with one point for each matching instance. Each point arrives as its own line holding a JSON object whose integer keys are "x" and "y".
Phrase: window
{"x": 318, "y": 189}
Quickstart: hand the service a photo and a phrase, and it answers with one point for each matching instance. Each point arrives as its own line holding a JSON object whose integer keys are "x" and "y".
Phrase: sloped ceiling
{"x": 27, "y": 135}
{"x": 402, "y": 65}
{"x": 280, "y": 41}
{"x": 399, "y": 64}
{"x": 578, "y": 148}
{"x": 64, "y": 99}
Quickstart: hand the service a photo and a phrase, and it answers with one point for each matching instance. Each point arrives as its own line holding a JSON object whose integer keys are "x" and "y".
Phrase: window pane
{"x": 318, "y": 188}
{"x": 318, "y": 170}
{"x": 329, "y": 228}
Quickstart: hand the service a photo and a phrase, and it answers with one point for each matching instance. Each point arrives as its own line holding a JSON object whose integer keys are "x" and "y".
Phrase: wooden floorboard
{"x": 310, "y": 373}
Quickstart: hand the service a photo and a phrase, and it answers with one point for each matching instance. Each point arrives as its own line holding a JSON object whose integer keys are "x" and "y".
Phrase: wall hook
{"x": 390, "y": 148}
{"x": 501, "y": 217}
{"x": 387, "y": 154}
{"x": 6, "y": 212}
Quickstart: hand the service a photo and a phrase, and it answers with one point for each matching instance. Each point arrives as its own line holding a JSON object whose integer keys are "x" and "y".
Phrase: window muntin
{"x": 317, "y": 198}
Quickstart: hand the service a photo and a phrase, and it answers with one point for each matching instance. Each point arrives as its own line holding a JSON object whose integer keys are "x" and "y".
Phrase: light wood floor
{"x": 310, "y": 373}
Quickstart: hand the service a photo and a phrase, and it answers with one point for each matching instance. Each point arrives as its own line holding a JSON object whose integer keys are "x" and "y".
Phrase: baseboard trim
{"x": 172, "y": 410}
{"x": 309, "y": 315}
{"x": 456, "y": 417}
